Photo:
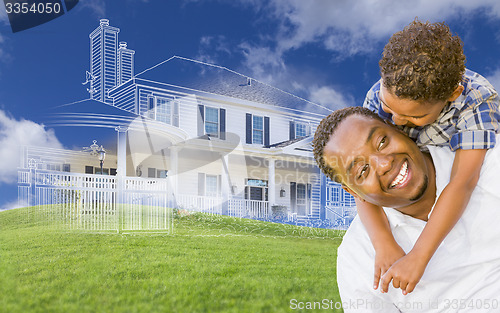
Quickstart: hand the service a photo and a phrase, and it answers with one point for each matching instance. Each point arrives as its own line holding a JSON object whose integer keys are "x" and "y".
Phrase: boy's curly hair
{"x": 325, "y": 130}
{"x": 423, "y": 62}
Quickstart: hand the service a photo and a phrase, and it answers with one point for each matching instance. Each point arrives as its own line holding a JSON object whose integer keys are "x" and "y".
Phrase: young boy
{"x": 426, "y": 91}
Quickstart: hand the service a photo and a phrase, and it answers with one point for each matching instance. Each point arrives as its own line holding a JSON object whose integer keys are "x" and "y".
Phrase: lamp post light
{"x": 95, "y": 150}
{"x": 101, "y": 153}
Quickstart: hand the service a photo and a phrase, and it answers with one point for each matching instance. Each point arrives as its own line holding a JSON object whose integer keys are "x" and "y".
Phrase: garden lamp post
{"x": 101, "y": 153}
{"x": 95, "y": 150}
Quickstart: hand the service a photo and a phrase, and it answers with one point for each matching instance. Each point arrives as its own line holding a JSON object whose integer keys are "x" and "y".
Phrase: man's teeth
{"x": 403, "y": 173}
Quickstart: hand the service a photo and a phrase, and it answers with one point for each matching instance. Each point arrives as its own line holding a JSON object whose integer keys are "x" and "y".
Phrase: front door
{"x": 300, "y": 198}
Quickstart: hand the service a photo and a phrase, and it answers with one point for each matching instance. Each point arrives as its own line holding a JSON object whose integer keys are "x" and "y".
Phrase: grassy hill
{"x": 210, "y": 264}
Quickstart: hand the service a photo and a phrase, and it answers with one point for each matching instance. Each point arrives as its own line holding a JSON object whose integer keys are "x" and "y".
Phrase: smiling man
{"x": 378, "y": 163}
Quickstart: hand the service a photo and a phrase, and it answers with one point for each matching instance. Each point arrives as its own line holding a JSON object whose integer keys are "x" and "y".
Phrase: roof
{"x": 285, "y": 143}
{"x": 219, "y": 80}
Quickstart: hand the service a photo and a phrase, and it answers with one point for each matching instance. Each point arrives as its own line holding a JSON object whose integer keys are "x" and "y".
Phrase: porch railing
{"x": 248, "y": 208}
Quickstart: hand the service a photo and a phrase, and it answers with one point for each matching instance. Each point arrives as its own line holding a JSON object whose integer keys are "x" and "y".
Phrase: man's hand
{"x": 404, "y": 273}
{"x": 384, "y": 258}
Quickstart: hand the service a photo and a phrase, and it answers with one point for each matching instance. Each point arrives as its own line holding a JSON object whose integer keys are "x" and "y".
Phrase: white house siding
{"x": 126, "y": 99}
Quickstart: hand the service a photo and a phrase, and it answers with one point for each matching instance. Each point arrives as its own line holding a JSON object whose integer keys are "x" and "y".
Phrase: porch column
{"x": 121, "y": 163}
{"x": 173, "y": 170}
{"x": 271, "y": 183}
{"x": 225, "y": 184}
{"x": 121, "y": 151}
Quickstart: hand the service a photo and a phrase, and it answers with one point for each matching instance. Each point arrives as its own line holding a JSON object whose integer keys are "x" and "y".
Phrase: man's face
{"x": 377, "y": 162}
{"x": 409, "y": 112}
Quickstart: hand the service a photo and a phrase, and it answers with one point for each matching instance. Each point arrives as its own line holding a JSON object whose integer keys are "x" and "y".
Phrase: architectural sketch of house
{"x": 221, "y": 141}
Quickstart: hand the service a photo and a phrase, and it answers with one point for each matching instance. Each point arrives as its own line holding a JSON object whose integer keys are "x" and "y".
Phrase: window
{"x": 161, "y": 173}
{"x": 300, "y": 130}
{"x": 212, "y": 121}
{"x": 97, "y": 170}
{"x": 53, "y": 167}
{"x": 258, "y": 130}
{"x": 156, "y": 173}
{"x": 66, "y": 168}
{"x": 105, "y": 171}
{"x": 151, "y": 172}
{"x": 256, "y": 189}
{"x": 211, "y": 186}
{"x": 162, "y": 109}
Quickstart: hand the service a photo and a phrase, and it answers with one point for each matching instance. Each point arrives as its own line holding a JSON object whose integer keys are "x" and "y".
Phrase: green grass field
{"x": 209, "y": 264}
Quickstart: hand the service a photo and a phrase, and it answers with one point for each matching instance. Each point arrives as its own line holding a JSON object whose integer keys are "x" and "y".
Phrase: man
{"x": 378, "y": 163}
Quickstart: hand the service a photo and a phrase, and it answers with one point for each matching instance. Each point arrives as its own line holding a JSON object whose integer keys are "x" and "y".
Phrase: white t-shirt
{"x": 464, "y": 273}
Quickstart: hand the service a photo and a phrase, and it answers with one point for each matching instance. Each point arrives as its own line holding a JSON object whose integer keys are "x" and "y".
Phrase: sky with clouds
{"x": 325, "y": 51}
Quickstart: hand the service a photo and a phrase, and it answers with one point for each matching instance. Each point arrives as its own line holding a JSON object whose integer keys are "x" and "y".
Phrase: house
{"x": 225, "y": 142}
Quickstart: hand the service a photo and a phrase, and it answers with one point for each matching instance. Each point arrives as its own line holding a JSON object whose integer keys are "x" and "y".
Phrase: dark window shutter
{"x": 222, "y": 125}
{"x": 293, "y": 196}
{"x": 176, "y": 114}
{"x": 249, "y": 128}
{"x": 292, "y": 130}
{"x": 201, "y": 184}
{"x": 151, "y": 107}
{"x": 201, "y": 120}
{"x": 266, "y": 131}
{"x": 308, "y": 201}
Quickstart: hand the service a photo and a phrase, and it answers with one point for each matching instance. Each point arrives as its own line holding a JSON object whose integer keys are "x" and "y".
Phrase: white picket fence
{"x": 104, "y": 203}
{"x": 96, "y": 202}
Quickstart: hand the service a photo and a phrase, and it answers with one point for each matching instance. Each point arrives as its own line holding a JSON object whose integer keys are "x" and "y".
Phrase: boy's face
{"x": 377, "y": 162}
{"x": 409, "y": 112}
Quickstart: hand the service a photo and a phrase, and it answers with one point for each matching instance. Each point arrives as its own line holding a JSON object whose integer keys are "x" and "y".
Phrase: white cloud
{"x": 98, "y": 7}
{"x": 494, "y": 79}
{"x": 16, "y": 133}
{"x": 4, "y": 19}
{"x": 262, "y": 61}
{"x": 13, "y": 205}
{"x": 329, "y": 97}
{"x": 213, "y": 48}
{"x": 349, "y": 27}
{"x": 344, "y": 28}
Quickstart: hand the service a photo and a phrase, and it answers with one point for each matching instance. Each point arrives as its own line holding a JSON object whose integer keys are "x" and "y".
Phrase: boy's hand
{"x": 384, "y": 258}
{"x": 404, "y": 273}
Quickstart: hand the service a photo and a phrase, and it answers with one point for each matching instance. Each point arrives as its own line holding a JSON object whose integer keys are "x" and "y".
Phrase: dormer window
{"x": 299, "y": 130}
{"x": 164, "y": 109}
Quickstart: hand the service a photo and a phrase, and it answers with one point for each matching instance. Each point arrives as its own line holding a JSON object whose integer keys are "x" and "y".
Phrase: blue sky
{"x": 325, "y": 51}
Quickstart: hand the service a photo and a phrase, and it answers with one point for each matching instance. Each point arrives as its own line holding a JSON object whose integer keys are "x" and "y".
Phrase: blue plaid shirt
{"x": 469, "y": 122}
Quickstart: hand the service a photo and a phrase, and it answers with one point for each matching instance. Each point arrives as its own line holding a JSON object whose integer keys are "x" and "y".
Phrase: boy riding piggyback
{"x": 428, "y": 93}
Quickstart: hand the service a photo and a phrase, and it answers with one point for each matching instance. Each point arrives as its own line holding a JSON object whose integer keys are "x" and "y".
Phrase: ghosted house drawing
{"x": 215, "y": 140}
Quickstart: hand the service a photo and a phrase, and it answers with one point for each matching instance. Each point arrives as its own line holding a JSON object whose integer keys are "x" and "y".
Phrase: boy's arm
{"x": 449, "y": 208}
{"x": 387, "y": 251}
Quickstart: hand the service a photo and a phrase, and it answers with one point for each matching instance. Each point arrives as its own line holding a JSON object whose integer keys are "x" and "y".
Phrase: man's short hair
{"x": 423, "y": 62}
{"x": 325, "y": 130}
